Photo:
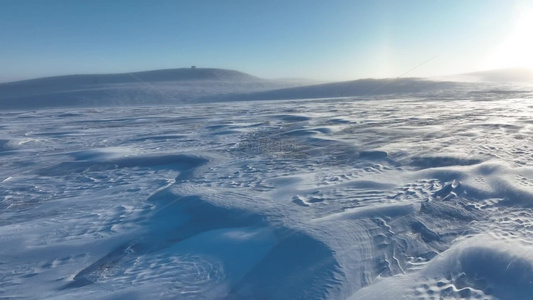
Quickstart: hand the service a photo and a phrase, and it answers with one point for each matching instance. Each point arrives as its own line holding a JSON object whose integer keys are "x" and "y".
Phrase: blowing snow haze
{"x": 325, "y": 150}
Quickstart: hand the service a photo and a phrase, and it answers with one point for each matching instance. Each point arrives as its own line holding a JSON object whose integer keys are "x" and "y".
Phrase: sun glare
{"x": 517, "y": 49}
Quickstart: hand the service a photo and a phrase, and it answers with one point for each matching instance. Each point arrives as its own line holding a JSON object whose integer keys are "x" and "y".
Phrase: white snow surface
{"x": 352, "y": 198}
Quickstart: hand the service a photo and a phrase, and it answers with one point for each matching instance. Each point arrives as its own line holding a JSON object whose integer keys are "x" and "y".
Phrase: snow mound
{"x": 478, "y": 268}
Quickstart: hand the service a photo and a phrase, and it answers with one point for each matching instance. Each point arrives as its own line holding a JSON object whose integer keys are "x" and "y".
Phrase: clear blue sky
{"x": 332, "y": 40}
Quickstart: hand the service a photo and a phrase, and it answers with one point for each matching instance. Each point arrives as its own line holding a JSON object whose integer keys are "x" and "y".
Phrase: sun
{"x": 517, "y": 49}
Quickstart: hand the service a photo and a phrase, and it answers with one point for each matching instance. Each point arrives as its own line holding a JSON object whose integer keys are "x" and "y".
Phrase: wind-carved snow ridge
{"x": 409, "y": 198}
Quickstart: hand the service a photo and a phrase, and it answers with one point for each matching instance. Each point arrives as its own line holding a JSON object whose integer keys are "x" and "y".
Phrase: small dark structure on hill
{"x": 193, "y": 67}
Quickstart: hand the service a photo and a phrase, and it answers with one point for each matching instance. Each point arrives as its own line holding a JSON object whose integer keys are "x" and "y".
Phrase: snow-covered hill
{"x": 362, "y": 87}
{"x": 150, "y": 87}
{"x": 504, "y": 75}
{"x": 521, "y": 76}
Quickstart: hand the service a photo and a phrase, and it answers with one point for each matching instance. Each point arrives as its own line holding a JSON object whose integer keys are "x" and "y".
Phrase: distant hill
{"x": 362, "y": 87}
{"x": 148, "y": 87}
{"x": 46, "y": 85}
{"x": 146, "y": 76}
{"x": 507, "y": 75}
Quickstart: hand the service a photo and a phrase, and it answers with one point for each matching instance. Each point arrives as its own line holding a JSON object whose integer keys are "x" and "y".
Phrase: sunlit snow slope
{"x": 390, "y": 198}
